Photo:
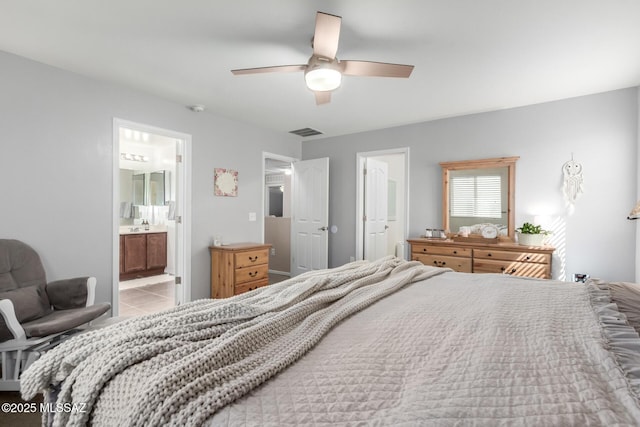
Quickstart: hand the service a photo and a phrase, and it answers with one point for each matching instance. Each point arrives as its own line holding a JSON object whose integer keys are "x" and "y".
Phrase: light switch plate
{"x": 252, "y": 216}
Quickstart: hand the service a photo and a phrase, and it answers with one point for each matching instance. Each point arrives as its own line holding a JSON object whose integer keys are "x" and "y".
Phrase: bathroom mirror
{"x": 159, "y": 188}
{"x": 139, "y": 189}
{"x": 479, "y": 192}
{"x": 142, "y": 188}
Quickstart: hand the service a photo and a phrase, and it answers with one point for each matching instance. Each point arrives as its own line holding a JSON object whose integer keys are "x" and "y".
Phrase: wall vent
{"x": 306, "y": 132}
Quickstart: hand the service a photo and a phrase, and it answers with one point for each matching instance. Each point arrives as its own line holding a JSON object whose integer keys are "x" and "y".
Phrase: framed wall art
{"x": 225, "y": 182}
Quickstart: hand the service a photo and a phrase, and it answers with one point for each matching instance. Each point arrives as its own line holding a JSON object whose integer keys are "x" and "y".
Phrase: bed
{"x": 384, "y": 343}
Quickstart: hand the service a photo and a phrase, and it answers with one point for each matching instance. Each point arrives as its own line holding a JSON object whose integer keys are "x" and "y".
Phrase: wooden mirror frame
{"x": 499, "y": 162}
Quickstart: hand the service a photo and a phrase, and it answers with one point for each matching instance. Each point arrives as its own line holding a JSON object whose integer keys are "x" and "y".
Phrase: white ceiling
{"x": 469, "y": 55}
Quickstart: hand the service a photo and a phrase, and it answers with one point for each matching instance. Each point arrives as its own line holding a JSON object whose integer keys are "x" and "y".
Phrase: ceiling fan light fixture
{"x": 323, "y": 72}
{"x": 323, "y": 79}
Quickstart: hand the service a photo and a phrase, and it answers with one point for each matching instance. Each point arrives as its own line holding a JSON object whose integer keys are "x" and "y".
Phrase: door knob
{"x": 325, "y": 228}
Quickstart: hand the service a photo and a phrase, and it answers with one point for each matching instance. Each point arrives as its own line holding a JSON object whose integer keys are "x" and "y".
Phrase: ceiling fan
{"x": 323, "y": 73}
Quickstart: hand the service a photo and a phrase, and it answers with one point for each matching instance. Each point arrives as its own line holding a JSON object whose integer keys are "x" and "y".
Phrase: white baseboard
{"x": 283, "y": 273}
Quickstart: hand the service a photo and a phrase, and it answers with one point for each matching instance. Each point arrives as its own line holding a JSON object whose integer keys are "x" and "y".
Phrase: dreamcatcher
{"x": 572, "y": 187}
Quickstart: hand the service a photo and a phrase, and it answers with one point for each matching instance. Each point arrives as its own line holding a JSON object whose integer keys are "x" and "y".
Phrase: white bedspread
{"x": 458, "y": 349}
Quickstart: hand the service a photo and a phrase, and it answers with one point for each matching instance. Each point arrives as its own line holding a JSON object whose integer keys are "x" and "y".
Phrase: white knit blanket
{"x": 181, "y": 366}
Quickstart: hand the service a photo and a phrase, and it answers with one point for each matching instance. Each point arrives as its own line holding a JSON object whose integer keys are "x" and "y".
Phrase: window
{"x": 477, "y": 196}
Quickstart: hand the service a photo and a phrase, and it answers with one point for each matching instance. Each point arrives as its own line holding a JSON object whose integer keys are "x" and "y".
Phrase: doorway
{"x": 303, "y": 229}
{"x": 277, "y": 214}
{"x": 382, "y": 203}
{"x": 151, "y": 219}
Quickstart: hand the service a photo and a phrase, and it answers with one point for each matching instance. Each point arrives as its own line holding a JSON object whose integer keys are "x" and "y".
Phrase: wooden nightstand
{"x": 238, "y": 268}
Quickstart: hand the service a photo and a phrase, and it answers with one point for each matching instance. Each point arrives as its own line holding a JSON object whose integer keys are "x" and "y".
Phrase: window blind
{"x": 476, "y": 196}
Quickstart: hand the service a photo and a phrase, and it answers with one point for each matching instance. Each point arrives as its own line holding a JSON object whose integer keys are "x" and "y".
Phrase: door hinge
{"x": 178, "y": 219}
{"x": 178, "y": 158}
{"x": 364, "y": 171}
{"x": 178, "y": 280}
{"x": 364, "y": 218}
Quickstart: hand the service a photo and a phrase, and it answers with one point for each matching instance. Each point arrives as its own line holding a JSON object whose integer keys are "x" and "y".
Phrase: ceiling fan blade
{"x": 322, "y": 97}
{"x": 275, "y": 69}
{"x": 376, "y": 69}
{"x": 326, "y": 36}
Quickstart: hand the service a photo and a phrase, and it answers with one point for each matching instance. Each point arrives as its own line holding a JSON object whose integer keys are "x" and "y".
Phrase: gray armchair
{"x": 36, "y": 315}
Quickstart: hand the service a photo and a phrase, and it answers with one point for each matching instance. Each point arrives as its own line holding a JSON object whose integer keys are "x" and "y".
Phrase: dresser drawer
{"x": 512, "y": 256}
{"x": 441, "y": 250}
{"x": 460, "y": 264}
{"x": 249, "y": 286}
{"x": 513, "y": 268}
{"x": 249, "y": 258}
{"x": 248, "y": 274}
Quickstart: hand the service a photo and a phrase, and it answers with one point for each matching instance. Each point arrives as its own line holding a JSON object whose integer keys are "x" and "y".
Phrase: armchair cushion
{"x": 20, "y": 266}
{"x": 62, "y": 320}
{"x": 68, "y": 293}
{"x": 29, "y": 303}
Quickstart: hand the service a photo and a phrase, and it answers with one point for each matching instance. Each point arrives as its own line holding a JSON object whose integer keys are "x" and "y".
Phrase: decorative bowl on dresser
{"x": 238, "y": 268}
{"x": 477, "y": 257}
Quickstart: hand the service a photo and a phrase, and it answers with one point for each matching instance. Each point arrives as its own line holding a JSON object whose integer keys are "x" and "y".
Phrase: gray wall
{"x": 56, "y": 168}
{"x": 601, "y": 132}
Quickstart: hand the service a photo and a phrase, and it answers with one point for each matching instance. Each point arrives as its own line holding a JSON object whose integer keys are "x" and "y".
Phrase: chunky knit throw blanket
{"x": 180, "y": 366}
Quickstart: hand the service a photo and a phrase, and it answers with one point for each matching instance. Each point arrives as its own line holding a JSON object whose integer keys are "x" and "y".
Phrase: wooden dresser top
{"x": 509, "y": 246}
{"x": 240, "y": 246}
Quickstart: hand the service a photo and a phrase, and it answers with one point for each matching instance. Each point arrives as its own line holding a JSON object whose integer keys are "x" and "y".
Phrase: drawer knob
{"x": 253, "y": 258}
{"x": 424, "y": 249}
{"x": 253, "y": 273}
{"x": 489, "y": 254}
{"x": 528, "y": 258}
{"x": 455, "y": 252}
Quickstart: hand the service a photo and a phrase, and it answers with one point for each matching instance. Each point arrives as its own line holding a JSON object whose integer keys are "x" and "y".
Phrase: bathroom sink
{"x": 141, "y": 230}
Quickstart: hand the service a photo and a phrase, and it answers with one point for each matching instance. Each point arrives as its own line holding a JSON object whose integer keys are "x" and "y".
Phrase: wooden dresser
{"x": 238, "y": 268}
{"x": 506, "y": 258}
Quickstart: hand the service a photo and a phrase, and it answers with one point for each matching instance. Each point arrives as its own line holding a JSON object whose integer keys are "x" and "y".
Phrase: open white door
{"x": 375, "y": 209}
{"x": 309, "y": 215}
{"x": 180, "y": 296}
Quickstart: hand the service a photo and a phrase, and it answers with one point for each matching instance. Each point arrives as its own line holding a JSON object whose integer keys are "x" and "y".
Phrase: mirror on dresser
{"x": 479, "y": 192}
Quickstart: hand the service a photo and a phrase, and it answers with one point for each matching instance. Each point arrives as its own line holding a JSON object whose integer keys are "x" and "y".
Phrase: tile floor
{"x": 147, "y": 295}
{"x": 152, "y": 294}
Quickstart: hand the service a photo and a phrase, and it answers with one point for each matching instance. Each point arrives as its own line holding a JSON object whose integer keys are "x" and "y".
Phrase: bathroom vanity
{"x": 142, "y": 253}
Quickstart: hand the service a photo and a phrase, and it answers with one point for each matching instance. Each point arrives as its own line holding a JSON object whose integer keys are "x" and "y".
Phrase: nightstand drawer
{"x": 513, "y": 268}
{"x": 441, "y": 250}
{"x": 512, "y": 256}
{"x": 248, "y": 274}
{"x": 250, "y": 258}
{"x": 460, "y": 264}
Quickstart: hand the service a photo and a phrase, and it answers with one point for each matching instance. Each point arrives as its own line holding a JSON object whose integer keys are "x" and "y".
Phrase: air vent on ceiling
{"x": 306, "y": 132}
